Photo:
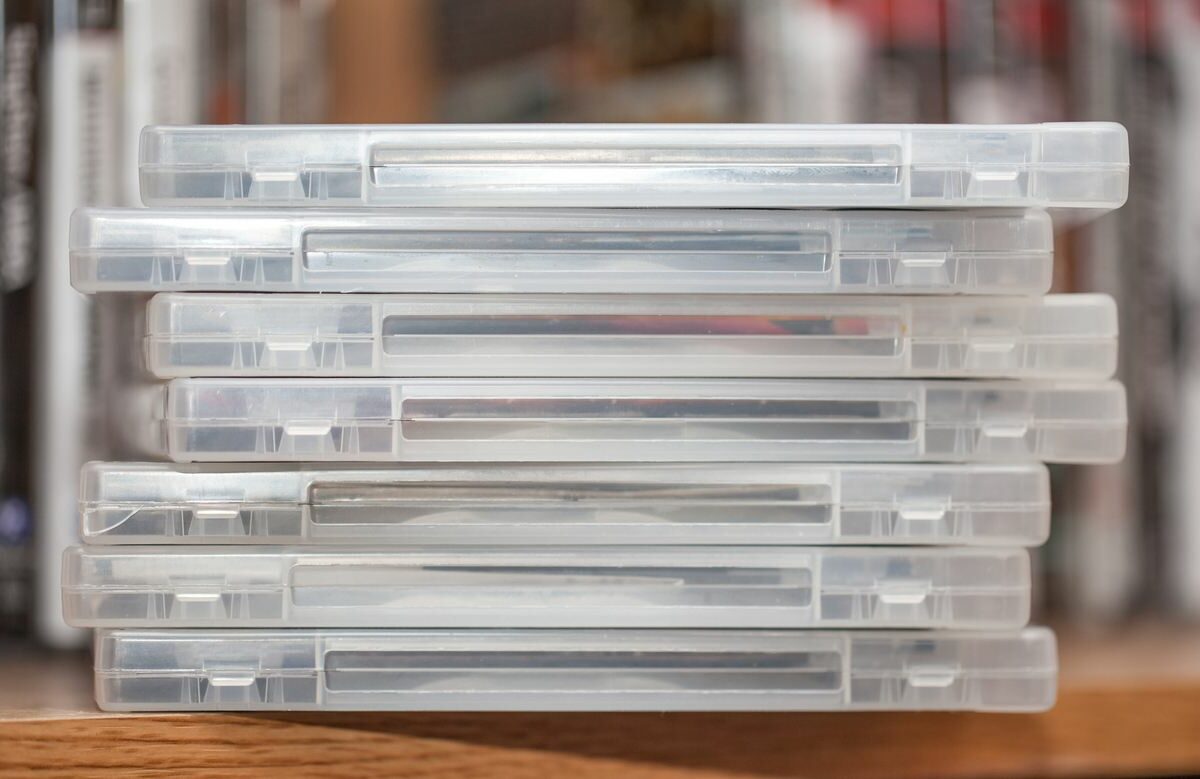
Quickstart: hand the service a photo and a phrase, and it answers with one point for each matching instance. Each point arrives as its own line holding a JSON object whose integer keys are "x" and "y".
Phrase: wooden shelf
{"x": 1129, "y": 705}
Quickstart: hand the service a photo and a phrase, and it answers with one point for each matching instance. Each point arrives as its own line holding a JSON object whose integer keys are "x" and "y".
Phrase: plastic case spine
{"x": 581, "y": 420}
{"x": 547, "y": 587}
{"x": 1059, "y": 336}
{"x": 1081, "y": 165}
{"x": 564, "y": 670}
{"x": 623, "y": 251}
{"x": 727, "y": 503}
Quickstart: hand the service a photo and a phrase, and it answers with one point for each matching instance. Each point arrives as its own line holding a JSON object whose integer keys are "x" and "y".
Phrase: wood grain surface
{"x": 1129, "y": 707}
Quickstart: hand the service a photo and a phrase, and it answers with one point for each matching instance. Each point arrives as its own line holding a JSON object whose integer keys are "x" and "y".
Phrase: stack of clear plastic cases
{"x": 596, "y": 417}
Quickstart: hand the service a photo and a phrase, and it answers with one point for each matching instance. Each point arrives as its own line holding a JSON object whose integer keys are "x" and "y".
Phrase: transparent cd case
{"x": 724, "y": 503}
{"x": 1078, "y": 165}
{"x": 1057, "y": 336}
{"x": 569, "y": 250}
{"x": 593, "y": 420}
{"x": 546, "y": 587}
{"x": 574, "y": 670}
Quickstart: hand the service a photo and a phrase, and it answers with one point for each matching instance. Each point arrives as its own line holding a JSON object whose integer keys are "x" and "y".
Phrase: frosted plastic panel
{"x": 581, "y": 420}
{"x": 568, "y": 250}
{"x": 1084, "y": 165}
{"x": 573, "y": 670}
{"x": 1058, "y": 336}
{"x": 724, "y": 503}
{"x": 546, "y": 587}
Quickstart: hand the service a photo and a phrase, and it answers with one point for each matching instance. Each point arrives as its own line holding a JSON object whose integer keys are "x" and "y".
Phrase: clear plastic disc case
{"x": 1067, "y": 165}
{"x": 425, "y": 336}
{"x": 626, "y": 251}
{"x": 698, "y": 504}
{"x": 573, "y": 670}
{"x": 663, "y": 420}
{"x": 546, "y": 587}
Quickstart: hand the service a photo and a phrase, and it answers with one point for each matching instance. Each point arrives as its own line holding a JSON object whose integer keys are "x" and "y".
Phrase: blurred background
{"x": 80, "y": 78}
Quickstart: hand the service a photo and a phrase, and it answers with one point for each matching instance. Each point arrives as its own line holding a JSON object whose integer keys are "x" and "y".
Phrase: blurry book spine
{"x": 1103, "y": 524}
{"x": 107, "y": 83}
{"x": 19, "y": 113}
{"x": 81, "y": 166}
{"x": 1177, "y": 27}
{"x": 805, "y": 61}
{"x": 287, "y": 65}
{"x": 1150, "y": 108}
{"x": 904, "y": 78}
{"x": 18, "y": 245}
{"x": 164, "y": 81}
